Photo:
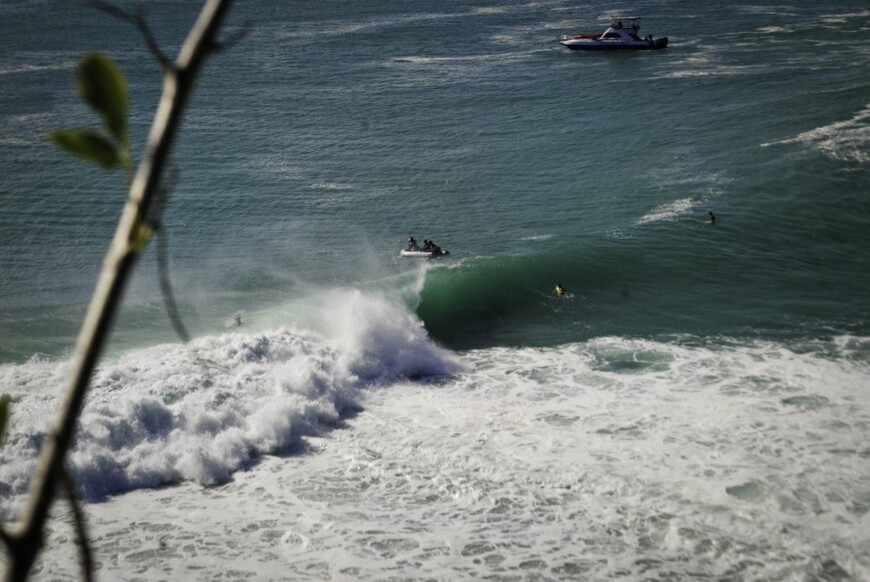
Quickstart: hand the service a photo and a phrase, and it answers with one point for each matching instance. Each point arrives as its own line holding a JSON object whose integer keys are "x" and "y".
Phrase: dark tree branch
{"x": 130, "y": 237}
{"x": 80, "y": 525}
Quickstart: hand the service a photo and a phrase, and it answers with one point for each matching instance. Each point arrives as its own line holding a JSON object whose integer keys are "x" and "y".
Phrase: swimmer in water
{"x": 712, "y": 217}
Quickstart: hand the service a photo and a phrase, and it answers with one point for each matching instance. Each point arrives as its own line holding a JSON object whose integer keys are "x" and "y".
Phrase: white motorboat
{"x": 423, "y": 254}
{"x": 429, "y": 250}
{"x": 622, "y": 34}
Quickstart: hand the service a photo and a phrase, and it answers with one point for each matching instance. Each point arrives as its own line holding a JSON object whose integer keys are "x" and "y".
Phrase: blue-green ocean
{"x": 696, "y": 407}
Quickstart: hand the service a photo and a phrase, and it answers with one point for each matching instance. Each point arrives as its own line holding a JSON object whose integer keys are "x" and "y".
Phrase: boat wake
{"x": 670, "y": 211}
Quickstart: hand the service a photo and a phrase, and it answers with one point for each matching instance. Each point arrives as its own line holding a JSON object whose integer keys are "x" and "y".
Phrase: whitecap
{"x": 669, "y": 211}
{"x": 842, "y": 140}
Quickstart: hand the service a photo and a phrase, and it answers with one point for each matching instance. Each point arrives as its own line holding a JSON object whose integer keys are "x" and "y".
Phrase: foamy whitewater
{"x": 696, "y": 408}
{"x": 294, "y": 456}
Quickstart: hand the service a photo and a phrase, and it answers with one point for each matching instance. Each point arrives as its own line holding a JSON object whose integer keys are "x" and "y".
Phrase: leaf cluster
{"x": 104, "y": 87}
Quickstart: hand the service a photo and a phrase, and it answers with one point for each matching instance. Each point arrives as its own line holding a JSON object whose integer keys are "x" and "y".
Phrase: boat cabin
{"x": 622, "y": 27}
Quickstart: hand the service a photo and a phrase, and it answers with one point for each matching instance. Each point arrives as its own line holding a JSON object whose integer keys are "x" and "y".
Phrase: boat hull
{"x": 422, "y": 254}
{"x": 610, "y": 45}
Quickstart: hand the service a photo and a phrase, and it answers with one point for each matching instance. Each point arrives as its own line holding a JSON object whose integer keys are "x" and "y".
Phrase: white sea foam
{"x": 330, "y": 186}
{"x": 36, "y": 68}
{"x": 611, "y": 459}
{"x": 456, "y": 68}
{"x": 669, "y": 211}
{"x": 26, "y": 130}
{"x": 202, "y": 411}
{"x": 780, "y": 11}
{"x": 842, "y": 140}
{"x": 277, "y": 164}
{"x": 713, "y": 70}
{"x": 393, "y": 21}
{"x": 836, "y": 21}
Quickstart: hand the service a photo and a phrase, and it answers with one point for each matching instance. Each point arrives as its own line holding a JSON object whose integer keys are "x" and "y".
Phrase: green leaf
{"x": 4, "y": 414}
{"x": 105, "y": 89}
{"x": 87, "y": 144}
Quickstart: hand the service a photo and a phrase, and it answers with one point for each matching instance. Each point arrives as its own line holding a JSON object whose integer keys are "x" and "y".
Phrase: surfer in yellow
{"x": 560, "y": 291}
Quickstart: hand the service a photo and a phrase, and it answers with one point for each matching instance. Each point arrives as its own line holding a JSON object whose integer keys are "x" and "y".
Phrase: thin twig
{"x": 235, "y": 38}
{"x": 137, "y": 19}
{"x": 162, "y": 250}
{"x": 80, "y": 525}
{"x": 172, "y": 310}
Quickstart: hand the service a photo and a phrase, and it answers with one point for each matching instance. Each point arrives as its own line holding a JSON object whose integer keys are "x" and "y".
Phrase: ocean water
{"x": 697, "y": 408}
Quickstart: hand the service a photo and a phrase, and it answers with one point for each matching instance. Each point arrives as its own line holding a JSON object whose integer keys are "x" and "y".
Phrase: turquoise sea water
{"x": 331, "y": 133}
{"x": 696, "y": 408}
